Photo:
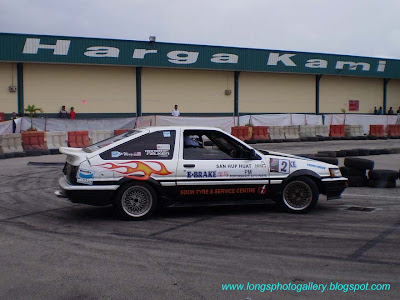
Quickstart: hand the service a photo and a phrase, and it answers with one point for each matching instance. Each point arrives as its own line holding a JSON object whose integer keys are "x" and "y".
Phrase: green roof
{"x": 95, "y": 51}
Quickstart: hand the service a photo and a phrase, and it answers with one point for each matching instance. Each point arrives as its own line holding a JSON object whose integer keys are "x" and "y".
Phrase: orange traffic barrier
{"x": 376, "y": 130}
{"x": 393, "y": 131}
{"x": 120, "y": 131}
{"x": 241, "y": 132}
{"x": 33, "y": 140}
{"x": 260, "y": 133}
{"x": 78, "y": 139}
{"x": 337, "y": 131}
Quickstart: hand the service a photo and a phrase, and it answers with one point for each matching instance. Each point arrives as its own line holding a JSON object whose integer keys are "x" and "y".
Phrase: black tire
{"x": 328, "y": 160}
{"x": 395, "y": 150}
{"x": 135, "y": 201}
{"x": 2, "y": 156}
{"x": 357, "y": 181}
{"x": 348, "y": 171}
{"x": 372, "y": 137}
{"x": 351, "y": 153}
{"x": 362, "y": 152}
{"x": 359, "y": 163}
{"x": 19, "y": 154}
{"x": 9, "y": 155}
{"x": 33, "y": 152}
{"x": 383, "y": 138}
{"x": 330, "y": 153}
{"x": 383, "y": 175}
{"x": 250, "y": 141}
{"x": 54, "y": 151}
{"x": 312, "y": 139}
{"x": 341, "y": 153}
{"x": 299, "y": 195}
{"x": 386, "y": 151}
{"x": 45, "y": 152}
{"x": 375, "y": 152}
{"x": 322, "y": 154}
{"x": 381, "y": 183}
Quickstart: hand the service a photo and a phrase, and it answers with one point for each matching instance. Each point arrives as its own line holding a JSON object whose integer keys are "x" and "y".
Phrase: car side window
{"x": 212, "y": 145}
{"x": 156, "y": 145}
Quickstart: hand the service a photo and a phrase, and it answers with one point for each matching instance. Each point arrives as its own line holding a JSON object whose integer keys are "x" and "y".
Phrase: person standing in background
{"x": 380, "y": 112}
{"x": 176, "y": 112}
{"x": 63, "y": 114}
{"x": 390, "y": 111}
{"x": 72, "y": 114}
{"x": 398, "y": 111}
{"x": 14, "y": 116}
{"x": 375, "y": 111}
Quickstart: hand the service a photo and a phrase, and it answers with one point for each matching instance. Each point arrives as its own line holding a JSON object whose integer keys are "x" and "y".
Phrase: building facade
{"x": 116, "y": 78}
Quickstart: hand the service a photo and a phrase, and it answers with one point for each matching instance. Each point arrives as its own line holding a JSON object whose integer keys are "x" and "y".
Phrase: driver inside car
{"x": 193, "y": 141}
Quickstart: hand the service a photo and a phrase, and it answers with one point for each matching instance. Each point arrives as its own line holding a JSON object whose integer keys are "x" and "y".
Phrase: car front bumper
{"x": 333, "y": 187}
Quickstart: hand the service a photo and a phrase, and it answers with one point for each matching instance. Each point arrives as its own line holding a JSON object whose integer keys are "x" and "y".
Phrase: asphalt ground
{"x": 53, "y": 249}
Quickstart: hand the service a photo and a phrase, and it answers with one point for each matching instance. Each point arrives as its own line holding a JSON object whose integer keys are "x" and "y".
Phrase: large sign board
{"x": 74, "y": 50}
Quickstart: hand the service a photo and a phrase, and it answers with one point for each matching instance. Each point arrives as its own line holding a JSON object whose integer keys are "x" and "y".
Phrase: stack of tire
{"x": 355, "y": 169}
{"x": 382, "y": 178}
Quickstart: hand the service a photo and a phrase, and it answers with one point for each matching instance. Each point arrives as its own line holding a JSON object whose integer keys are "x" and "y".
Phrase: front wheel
{"x": 136, "y": 201}
{"x": 299, "y": 195}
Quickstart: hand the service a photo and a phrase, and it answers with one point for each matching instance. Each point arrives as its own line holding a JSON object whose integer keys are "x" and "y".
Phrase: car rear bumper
{"x": 333, "y": 187}
{"x": 97, "y": 195}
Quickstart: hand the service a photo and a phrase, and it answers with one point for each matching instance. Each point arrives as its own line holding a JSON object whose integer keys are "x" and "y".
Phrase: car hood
{"x": 300, "y": 158}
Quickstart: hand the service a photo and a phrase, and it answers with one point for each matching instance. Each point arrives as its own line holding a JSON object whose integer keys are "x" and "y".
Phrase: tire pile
{"x": 355, "y": 169}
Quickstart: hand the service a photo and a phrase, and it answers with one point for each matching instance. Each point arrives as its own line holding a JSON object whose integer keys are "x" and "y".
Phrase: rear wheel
{"x": 299, "y": 195}
{"x": 136, "y": 201}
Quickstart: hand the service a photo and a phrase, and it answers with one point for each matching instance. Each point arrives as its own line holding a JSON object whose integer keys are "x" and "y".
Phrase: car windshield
{"x": 110, "y": 140}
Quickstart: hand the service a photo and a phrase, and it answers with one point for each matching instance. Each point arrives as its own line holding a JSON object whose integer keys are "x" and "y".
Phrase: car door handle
{"x": 189, "y": 166}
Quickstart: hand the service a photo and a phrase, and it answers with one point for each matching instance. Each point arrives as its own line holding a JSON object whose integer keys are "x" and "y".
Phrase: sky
{"x": 353, "y": 27}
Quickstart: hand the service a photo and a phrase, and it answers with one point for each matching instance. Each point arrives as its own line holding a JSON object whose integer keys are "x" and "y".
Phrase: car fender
{"x": 151, "y": 181}
{"x": 303, "y": 172}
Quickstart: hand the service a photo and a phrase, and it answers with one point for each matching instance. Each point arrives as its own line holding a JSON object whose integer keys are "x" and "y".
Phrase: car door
{"x": 228, "y": 170}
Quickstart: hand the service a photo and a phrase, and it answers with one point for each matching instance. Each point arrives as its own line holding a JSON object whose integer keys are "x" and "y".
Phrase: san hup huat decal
{"x": 127, "y": 169}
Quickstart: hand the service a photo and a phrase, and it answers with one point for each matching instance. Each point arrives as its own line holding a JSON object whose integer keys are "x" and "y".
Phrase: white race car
{"x": 147, "y": 168}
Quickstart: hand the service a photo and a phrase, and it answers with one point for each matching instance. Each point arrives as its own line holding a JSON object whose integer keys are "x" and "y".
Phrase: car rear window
{"x": 110, "y": 140}
{"x": 156, "y": 145}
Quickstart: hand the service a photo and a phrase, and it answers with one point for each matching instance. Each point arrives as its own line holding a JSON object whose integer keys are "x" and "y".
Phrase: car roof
{"x": 156, "y": 128}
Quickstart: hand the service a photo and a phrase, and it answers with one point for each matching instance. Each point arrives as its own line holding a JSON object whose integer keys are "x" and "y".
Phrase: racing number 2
{"x": 284, "y": 166}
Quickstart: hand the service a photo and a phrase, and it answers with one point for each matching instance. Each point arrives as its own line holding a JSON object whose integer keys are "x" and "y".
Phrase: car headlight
{"x": 335, "y": 172}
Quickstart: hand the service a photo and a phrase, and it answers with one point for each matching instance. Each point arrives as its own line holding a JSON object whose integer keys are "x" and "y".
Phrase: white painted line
{"x": 371, "y": 196}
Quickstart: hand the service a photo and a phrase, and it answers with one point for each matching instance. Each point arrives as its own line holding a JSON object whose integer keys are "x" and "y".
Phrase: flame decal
{"x": 127, "y": 170}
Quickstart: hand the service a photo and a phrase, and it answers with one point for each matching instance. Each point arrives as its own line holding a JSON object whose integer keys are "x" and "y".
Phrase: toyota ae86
{"x": 148, "y": 168}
